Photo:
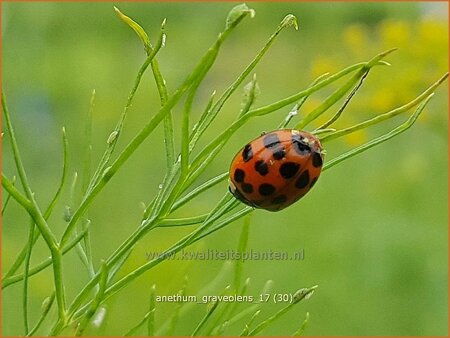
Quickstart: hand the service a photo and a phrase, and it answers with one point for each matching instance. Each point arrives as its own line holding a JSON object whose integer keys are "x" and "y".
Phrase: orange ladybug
{"x": 276, "y": 169}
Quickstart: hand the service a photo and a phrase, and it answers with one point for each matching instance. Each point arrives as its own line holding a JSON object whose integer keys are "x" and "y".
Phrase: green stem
{"x": 38, "y": 218}
{"x": 47, "y": 307}
{"x": 201, "y": 188}
{"x": 300, "y": 103}
{"x": 151, "y": 317}
{"x": 211, "y": 114}
{"x": 109, "y": 172}
{"x": 298, "y": 296}
{"x": 25, "y": 279}
{"x": 171, "y": 222}
{"x": 114, "y": 136}
{"x": 96, "y": 302}
{"x": 385, "y": 116}
{"x": 134, "y": 329}
{"x": 8, "y": 198}
{"x": 400, "y": 129}
{"x": 12, "y": 190}
{"x": 336, "y": 116}
{"x": 205, "y": 319}
{"x": 20, "y": 258}
{"x": 7, "y": 281}
{"x": 222, "y": 138}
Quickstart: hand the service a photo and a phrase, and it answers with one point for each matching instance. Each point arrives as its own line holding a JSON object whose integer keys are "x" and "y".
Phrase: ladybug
{"x": 276, "y": 169}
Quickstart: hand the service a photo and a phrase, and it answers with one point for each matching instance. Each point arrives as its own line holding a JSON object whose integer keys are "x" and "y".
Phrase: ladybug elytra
{"x": 276, "y": 169}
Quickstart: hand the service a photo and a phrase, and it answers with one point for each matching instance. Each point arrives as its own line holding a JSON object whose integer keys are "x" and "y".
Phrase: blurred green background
{"x": 374, "y": 229}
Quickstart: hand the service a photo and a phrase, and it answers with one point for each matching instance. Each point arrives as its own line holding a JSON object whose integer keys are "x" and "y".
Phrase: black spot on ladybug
{"x": 247, "y": 188}
{"x": 239, "y": 175}
{"x": 237, "y": 194}
{"x": 279, "y": 153}
{"x": 266, "y": 189}
{"x": 279, "y": 199}
{"x": 303, "y": 180}
{"x": 289, "y": 169}
{"x": 271, "y": 140}
{"x": 317, "y": 160}
{"x": 300, "y": 146}
{"x": 247, "y": 153}
{"x": 261, "y": 167}
{"x": 313, "y": 181}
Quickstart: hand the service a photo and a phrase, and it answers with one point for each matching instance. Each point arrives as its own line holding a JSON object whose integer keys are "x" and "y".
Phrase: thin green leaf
{"x": 251, "y": 91}
{"x": 115, "y": 134}
{"x": 152, "y": 309}
{"x": 85, "y": 177}
{"x": 37, "y": 216}
{"x": 151, "y": 317}
{"x": 299, "y": 104}
{"x": 227, "y": 311}
{"x": 224, "y": 222}
{"x": 8, "y": 198}
{"x": 340, "y": 92}
{"x": 204, "y": 320}
{"x": 46, "y": 307}
{"x": 298, "y": 296}
{"x": 25, "y": 279}
{"x": 201, "y": 188}
{"x": 208, "y": 118}
{"x": 211, "y": 150}
{"x": 136, "y": 27}
{"x": 139, "y": 325}
{"x": 176, "y": 312}
{"x": 16, "y": 194}
{"x": 246, "y": 329}
{"x": 335, "y": 117}
{"x": 400, "y": 129}
{"x": 116, "y": 268}
{"x": 242, "y": 248}
{"x": 96, "y": 301}
{"x": 7, "y": 281}
{"x": 175, "y": 222}
{"x": 237, "y": 13}
{"x": 302, "y": 327}
{"x": 385, "y": 116}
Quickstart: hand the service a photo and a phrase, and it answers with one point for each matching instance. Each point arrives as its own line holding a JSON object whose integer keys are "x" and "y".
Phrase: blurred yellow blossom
{"x": 355, "y": 37}
{"x": 421, "y": 59}
{"x": 394, "y": 33}
{"x": 357, "y": 138}
{"x": 382, "y": 99}
{"x": 324, "y": 64}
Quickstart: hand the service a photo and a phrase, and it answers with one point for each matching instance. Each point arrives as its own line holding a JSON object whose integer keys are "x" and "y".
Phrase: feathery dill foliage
{"x": 86, "y": 310}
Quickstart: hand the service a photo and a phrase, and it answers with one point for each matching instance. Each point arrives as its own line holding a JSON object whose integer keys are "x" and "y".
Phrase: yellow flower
{"x": 383, "y": 99}
{"x": 323, "y": 65}
{"x": 395, "y": 33}
{"x": 357, "y": 138}
{"x": 355, "y": 36}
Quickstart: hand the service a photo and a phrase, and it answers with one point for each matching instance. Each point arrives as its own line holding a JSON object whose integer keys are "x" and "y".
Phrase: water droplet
{"x": 161, "y": 186}
{"x": 164, "y": 37}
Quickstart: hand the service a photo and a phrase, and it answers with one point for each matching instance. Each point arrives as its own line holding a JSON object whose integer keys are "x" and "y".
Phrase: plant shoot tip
{"x": 290, "y": 20}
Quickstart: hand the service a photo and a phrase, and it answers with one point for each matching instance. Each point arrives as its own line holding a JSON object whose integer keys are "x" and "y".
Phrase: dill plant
{"x": 183, "y": 168}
